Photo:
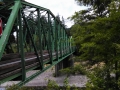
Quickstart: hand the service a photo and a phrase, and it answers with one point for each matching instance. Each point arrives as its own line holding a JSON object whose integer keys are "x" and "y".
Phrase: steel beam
{"x": 8, "y": 28}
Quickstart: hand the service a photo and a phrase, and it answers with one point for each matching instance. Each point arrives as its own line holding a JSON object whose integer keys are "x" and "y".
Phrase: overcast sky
{"x": 65, "y": 8}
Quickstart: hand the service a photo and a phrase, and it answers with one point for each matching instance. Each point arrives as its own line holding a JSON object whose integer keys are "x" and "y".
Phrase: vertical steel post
{"x": 49, "y": 38}
{"x": 56, "y": 39}
{"x": 67, "y": 45}
{"x": 55, "y": 30}
{"x": 70, "y": 43}
{"x": 64, "y": 41}
{"x": 40, "y": 36}
{"x": 22, "y": 47}
{"x": 60, "y": 38}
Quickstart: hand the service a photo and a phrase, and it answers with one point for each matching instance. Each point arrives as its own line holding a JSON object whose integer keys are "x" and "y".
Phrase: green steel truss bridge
{"x": 31, "y": 38}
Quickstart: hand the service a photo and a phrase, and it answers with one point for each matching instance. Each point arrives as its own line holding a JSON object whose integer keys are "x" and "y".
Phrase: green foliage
{"x": 99, "y": 7}
{"x": 67, "y": 71}
{"x": 97, "y": 38}
{"x": 52, "y": 85}
{"x": 15, "y": 87}
{"x": 66, "y": 84}
{"x": 98, "y": 41}
{"x": 77, "y": 69}
{"x": 98, "y": 80}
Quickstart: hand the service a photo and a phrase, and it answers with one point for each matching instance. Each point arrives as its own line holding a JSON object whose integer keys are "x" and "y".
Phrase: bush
{"x": 52, "y": 85}
{"x": 78, "y": 69}
{"x": 15, "y": 87}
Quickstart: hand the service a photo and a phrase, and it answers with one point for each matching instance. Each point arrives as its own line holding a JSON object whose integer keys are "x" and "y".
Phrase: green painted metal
{"x": 38, "y": 73}
{"x": 37, "y": 31}
{"x": 33, "y": 43}
{"x": 21, "y": 46}
{"x": 49, "y": 38}
{"x": 40, "y": 37}
{"x": 10, "y": 78}
{"x": 8, "y": 27}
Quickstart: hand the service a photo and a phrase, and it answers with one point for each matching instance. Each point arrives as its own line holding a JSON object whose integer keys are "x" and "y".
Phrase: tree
{"x": 99, "y": 6}
{"x": 99, "y": 42}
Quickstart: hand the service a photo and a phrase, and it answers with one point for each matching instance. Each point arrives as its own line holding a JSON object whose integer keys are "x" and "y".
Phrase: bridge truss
{"x": 32, "y": 38}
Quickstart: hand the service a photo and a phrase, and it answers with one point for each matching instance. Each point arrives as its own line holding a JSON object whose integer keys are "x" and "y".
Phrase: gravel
{"x": 42, "y": 79}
